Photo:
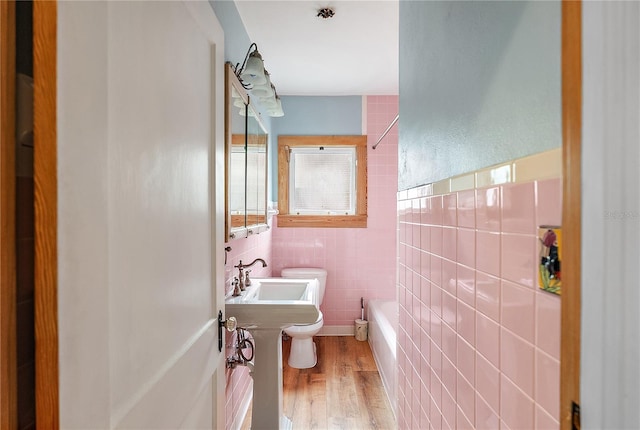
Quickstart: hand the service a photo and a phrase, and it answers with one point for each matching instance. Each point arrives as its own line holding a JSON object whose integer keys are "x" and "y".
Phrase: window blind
{"x": 323, "y": 181}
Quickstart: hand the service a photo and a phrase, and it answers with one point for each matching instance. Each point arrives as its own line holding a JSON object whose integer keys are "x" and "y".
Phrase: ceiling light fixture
{"x": 326, "y": 13}
{"x": 257, "y": 81}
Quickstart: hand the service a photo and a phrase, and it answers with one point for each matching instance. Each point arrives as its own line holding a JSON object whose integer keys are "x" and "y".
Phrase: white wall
{"x": 139, "y": 170}
{"x": 610, "y": 359}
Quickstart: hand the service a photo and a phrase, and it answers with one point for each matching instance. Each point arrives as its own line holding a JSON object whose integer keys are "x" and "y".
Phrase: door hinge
{"x": 575, "y": 416}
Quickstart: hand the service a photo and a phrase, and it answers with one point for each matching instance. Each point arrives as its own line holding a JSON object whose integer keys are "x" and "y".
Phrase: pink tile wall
{"x": 238, "y": 381}
{"x": 361, "y": 262}
{"x": 478, "y": 342}
{"x": 247, "y": 250}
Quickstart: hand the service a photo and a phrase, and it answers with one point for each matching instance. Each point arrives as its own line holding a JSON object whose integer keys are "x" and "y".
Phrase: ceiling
{"x": 353, "y": 53}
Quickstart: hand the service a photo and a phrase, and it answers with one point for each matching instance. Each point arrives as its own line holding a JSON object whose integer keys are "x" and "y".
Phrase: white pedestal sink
{"x": 265, "y": 308}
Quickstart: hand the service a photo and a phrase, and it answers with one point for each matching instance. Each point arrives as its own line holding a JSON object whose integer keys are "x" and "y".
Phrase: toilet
{"x": 303, "y": 349}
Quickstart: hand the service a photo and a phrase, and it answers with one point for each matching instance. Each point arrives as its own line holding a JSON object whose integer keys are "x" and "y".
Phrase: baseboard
{"x": 337, "y": 330}
{"x": 243, "y": 409}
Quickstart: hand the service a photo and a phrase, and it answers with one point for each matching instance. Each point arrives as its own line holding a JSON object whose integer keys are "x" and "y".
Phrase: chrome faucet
{"x": 241, "y": 267}
{"x": 236, "y": 288}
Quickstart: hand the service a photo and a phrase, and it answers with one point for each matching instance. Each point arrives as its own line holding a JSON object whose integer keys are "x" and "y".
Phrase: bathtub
{"x": 383, "y": 323}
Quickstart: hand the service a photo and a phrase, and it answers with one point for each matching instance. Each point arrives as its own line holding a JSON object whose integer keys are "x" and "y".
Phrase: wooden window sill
{"x": 336, "y": 221}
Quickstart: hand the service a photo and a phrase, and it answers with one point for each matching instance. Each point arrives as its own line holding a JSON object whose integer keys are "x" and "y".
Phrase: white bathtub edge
{"x": 387, "y": 389}
{"x": 381, "y": 364}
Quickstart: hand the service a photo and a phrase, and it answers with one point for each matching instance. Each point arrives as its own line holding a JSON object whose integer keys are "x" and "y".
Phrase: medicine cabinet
{"x": 246, "y": 158}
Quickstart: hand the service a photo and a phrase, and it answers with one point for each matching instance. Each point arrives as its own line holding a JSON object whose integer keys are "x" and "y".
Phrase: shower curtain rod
{"x": 386, "y": 131}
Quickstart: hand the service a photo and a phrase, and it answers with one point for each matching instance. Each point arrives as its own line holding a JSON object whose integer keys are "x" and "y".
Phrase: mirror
{"x": 256, "y": 172}
{"x": 246, "y": 156}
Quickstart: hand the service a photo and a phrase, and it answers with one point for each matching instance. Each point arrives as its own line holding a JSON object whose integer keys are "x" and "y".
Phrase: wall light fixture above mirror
{"x": 257, "y": 81}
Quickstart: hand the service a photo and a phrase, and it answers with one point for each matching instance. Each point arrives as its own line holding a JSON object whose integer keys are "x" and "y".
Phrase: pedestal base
{"x": 267, "y": 408}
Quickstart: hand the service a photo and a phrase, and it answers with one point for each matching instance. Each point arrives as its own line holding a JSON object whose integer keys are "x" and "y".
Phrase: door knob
{"x": 230, "y": 324}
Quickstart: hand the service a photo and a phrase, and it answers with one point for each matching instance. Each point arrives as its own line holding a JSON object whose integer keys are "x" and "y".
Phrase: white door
{"x": 140, "y": 183}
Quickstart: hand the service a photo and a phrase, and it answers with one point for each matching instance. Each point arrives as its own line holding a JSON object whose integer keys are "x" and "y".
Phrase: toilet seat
{"x": 303, "y": 328}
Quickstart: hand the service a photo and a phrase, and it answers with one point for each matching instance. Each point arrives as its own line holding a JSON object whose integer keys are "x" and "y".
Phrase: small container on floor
{"x": 361, "y": 329}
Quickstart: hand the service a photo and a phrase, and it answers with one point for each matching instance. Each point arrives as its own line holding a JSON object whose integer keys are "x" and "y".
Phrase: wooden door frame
{"x": 46, "y": 223}
{"x": 571, "y": 209}
{"x": 45, "y": 293}
{"x": 8, "y": 366}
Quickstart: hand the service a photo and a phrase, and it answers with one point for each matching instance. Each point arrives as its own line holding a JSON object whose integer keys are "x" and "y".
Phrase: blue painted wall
{"x": 236, "y": 38}
{"x": 320, "y": 115}
{"x": 479, "y": 85}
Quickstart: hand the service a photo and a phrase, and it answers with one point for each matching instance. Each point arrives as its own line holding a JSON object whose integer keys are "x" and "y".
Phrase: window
{"x": 322, "y": 181}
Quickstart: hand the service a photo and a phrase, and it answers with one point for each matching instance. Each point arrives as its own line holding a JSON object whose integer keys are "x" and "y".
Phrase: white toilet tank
{"x": 308, "y": 273}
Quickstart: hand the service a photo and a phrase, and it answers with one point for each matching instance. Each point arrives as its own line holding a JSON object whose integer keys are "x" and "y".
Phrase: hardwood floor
{"x": 343, "y": 391}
